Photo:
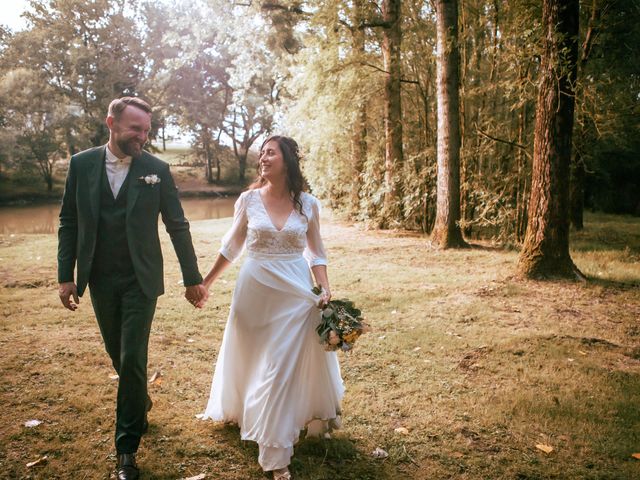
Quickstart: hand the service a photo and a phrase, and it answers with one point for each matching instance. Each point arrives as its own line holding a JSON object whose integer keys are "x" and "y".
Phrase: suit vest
{"x": 111, "y": 257}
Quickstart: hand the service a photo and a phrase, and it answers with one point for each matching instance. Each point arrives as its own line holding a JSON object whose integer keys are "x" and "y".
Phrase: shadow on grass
{"x": 613, "y": 284}
{"x": 317, "y": 459}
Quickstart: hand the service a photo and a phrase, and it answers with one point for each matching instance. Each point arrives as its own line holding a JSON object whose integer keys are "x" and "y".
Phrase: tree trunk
{"x": 218, "y": 172}
{"x": 206, "y": 143}
{"x": 242, "y": 164}
{"x": 164, "y": 138}
{"x": 359, "y": 137}
{"x": 359, "y": 155}
{"x": 576, "y": 194}
{"x": 578, "y": 168}
{"x": 545, "y": 252}
{"x": 521, "y": 199}
{"x": 392, "y": 209}
{"x": 446, "y": 232}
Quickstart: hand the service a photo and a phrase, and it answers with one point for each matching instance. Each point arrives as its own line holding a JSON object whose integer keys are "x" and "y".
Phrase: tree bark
{"x": 446, "y": 232}
{"x": 242, "y": 164}
{"x": 392, "y": 209}
{"x": 206, "y": 144}
{"x": 578, "y": 168}
{"x": 359, "y": 136}
{"x": 545, "y": 253}
{"x": 164, "y": 138}
{"x": 576, "y": 195}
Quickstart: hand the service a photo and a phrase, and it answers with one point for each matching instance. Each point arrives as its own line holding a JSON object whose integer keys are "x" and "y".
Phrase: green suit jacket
{"x": 80, "y": 214}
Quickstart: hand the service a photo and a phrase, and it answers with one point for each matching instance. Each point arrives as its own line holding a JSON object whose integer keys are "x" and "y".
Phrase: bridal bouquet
{"x": 341, "y": 324}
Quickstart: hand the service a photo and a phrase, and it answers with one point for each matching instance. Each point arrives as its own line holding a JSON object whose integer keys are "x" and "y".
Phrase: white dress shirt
{"x": 117, "y": 169}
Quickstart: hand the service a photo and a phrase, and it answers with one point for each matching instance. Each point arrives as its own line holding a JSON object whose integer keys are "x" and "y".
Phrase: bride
{"x": 273, "y": 377}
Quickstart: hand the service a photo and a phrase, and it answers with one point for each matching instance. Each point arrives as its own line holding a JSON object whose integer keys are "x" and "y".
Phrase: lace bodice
{"x": 253, "y": 229}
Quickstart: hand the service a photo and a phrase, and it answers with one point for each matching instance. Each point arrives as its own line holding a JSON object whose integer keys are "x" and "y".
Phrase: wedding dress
{"x": 272, "y": 376}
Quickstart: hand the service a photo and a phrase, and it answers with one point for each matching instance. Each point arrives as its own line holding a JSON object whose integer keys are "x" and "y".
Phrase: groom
{"x": 109, "y": 233}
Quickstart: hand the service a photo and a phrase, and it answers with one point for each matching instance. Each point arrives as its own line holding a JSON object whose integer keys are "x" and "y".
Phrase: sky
{"x": 10, "y": 11}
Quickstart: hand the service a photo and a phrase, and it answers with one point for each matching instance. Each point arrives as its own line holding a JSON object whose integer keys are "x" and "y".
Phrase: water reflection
{"x": 44, "y": 218}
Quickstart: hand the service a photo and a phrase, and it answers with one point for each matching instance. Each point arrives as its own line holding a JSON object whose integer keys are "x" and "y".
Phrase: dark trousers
{"x": 124, "y": 315}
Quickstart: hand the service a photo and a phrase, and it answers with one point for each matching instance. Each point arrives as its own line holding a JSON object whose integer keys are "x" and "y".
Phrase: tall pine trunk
{"x": 446, "y": 231}
{"x": 576, "y": 195}
{"x": 578, "y": 167}
{"x": 359, "y": 135}
{"x": 392, "y": 209}
{"x": 545, "y": 252}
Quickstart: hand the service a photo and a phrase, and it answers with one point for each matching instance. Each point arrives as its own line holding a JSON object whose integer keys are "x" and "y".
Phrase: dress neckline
{"x": 264, "y": 207}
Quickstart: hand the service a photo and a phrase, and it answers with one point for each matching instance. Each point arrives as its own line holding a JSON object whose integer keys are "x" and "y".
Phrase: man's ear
{"x": 110, "y": 121}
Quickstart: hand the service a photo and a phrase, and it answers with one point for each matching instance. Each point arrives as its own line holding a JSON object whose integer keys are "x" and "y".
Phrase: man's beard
{"x": 130, "y": 147}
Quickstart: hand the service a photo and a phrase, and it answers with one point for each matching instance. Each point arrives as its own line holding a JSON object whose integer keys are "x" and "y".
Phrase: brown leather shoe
{"x": 127, "y": 468}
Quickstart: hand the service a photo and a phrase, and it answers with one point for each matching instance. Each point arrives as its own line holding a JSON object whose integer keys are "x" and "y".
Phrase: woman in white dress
{"x": 273, "y": 377}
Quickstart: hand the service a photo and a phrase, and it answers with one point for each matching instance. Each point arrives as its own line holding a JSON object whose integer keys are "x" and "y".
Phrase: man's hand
{"x": 197, "y": 295}
{"x": 66, "y": 290}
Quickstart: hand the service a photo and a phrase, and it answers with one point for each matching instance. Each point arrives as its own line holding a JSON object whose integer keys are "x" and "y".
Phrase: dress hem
{"x": 275, "y": 445}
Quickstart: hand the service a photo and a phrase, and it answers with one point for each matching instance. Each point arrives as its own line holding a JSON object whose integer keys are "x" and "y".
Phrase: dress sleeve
{"x": 233, "y": 240}
{"x": 314, "y": 253}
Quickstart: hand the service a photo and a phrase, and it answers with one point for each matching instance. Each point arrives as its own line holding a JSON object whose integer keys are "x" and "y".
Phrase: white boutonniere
{"x": 152, "y": 179}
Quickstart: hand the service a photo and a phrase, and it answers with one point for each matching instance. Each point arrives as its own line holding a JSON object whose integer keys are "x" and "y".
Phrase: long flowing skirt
{"x": 272, "y": 376}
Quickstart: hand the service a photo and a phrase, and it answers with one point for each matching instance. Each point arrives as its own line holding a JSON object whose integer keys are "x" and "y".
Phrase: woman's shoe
{"x": 282, "y": 474}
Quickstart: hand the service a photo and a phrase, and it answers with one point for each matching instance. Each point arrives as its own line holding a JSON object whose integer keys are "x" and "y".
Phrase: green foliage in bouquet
{"x": 341, "y": 324}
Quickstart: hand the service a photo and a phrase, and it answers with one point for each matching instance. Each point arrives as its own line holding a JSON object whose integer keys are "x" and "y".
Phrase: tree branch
{"x": 381, "y": 70}
{"x": 283, "y": 8}
{"x": 496, "y": 139}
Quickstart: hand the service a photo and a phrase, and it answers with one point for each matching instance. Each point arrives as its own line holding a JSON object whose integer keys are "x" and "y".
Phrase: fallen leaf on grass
{"x": 202, "y": 476}
{"x": 402, "y": 431}
{"x": 114, "y": 377}
{"x": 190, "y": 340}
{"x": 156, "y": 377}
{"x": 581, "y": 352}
{"x": 40, "y": 461}
{"x": 379, "y": 453}
{"x": 636, "y": 456}
{"x": 200, "y": 416}
{"x": 32, "y": 423}
{"x": 545, "y": 448}
{"x": 417, "y": 349}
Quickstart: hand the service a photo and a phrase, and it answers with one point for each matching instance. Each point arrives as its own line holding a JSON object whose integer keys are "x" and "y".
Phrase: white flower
{"x": 150, "y": 179}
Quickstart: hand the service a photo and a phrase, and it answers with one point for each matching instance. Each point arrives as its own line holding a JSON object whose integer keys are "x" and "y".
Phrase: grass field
{"x": 475, "y": 366}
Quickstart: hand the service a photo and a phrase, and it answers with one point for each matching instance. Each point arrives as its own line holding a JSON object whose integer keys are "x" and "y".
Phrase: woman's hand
{"x": 322, "y": 280}
{"x": 325, "y": 297}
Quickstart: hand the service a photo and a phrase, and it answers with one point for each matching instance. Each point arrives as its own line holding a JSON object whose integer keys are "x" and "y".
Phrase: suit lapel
{"x": 95, "y": 179}
{"x": 137, "y": 170}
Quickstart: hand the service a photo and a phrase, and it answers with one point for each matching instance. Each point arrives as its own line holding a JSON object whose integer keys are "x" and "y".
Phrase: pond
{"x": 43, "y": 218}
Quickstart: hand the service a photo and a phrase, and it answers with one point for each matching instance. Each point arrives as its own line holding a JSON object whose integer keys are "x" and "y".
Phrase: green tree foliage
{"x": 228, "y": 73}
{"x": 500, "y": 47}
{"x": 35, "y": 123}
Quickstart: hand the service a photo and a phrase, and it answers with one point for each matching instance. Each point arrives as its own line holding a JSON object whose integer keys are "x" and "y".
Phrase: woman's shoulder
{"x": 247, "y": 194}
{"x": 310, "y": 204}
{"x": 306, "y": 197}
{"x": 243, "y": 200}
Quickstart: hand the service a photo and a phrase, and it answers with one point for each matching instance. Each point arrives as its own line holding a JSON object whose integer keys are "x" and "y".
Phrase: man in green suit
{"x": 109, "y": 233}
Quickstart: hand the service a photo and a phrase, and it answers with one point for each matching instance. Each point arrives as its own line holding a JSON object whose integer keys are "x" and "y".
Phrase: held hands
{"x": 197, "y": 295}
{"x": 67, "y": 290}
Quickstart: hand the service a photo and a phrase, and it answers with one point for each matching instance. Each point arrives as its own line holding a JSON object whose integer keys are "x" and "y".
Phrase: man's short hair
{"x": 117, "y": 106}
